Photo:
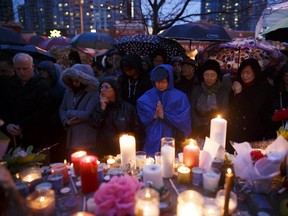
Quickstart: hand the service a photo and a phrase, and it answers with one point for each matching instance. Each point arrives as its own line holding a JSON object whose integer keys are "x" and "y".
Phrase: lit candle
{"x": 128, "y": 151}
{"x": 140, "y": 159}
{"x": 76, "y": 157}
{"x": 111, "y": 162}
{"x": 60, "y": 168}
{"x": 211, "y": 208}
{"x": 41, "y": 203}
{"x": 211, "y": 181}
{"x": 168, "y": 156}
{"x": 218, "y": 130}
{"x": 147, "y": 202}
{"x": 190, "y": 203}
{"x": 184, "y": 175}
{"x": 220, "y": 200}
{"x": 89, "y": 174}
{"x": 30, "y": 174}
{"x": 153, "y": 173}
{"x": 191, "y": 154}
{"x": 227, "y": 187}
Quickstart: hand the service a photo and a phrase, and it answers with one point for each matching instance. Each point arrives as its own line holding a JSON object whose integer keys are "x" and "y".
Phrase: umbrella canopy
{"x": 55, "y": 41}
{"x": 143, "y": 44}
{"x": 36, "y": 39}
{"x": 198, "y": 31}
{"x": 231, "y": 54}
{"x": 93, "y": 40}
{"x": 61, "y": 54}
{"x": 10, "y": 36}
{"x": 277, "y": 32}
{"x": 36, "y": 52}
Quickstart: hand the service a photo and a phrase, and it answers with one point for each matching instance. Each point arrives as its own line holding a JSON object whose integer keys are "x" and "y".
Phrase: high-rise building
{"x": 6, "y": 12}
{"x": 238, "y": 15}
{"x": 73, "y": 16}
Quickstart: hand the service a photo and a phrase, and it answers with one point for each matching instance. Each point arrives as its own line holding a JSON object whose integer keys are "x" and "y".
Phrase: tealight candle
{"x": 211, "y": 181}
{"x": 128, "y": 151}
{"x": 147, "y": 202}
{"x": 76, "y": 157}
{"x": 111, "y": 162}
{"x": 190, "y": 202}
{"x": 153, "y": 173}
{"x": 168, "y": 156}
{"x": 211, "y": 208}
{"x": 89, "y": 174}
{"x": 191, "y": 154}
{"x": 61, "y": 168}
{"x": 30, "y": 174}
{"x": 41, "y": 203}
{"x": 140, "y": 159}
{"x": 218, "y": 130}
{"x": 184, "y": 175}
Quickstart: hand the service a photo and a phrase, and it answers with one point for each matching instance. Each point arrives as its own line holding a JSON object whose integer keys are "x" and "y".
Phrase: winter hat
{"x": 189, "y": 61}
{"x": 159, "y": 74}
{"x": 113, "y": 81}
{"x": 175, "y": 59}
{"x": 211, "y": 64}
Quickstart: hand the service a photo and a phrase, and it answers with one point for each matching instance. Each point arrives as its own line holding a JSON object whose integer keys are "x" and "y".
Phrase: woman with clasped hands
{"x": 163, "y": 110}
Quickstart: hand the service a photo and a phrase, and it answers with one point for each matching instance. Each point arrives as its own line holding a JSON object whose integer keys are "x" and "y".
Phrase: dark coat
{"x": 119, "y": 117}
{"x": 27, "y": 106}
{"x": 250, "y": 114}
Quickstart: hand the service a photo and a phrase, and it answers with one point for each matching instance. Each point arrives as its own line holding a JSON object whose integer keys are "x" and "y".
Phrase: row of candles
{"x": 151, "y": 173}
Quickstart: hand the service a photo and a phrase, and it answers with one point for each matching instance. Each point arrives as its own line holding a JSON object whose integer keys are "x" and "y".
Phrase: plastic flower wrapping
{"x": 259, "y": 166}
{"x": 117, "y": 197}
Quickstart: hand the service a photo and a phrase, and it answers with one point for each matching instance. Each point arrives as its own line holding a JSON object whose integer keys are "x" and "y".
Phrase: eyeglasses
{"x": 104, "y": 87}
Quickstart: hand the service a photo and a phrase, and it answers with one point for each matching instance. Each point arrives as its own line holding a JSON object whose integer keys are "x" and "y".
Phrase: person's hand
{"x": 13, "y": 129}
{"x": 73, "y": 121}
{"x": 160, "y": 110}
{"x": 103, "y": 102}
{"x": 236, "y": 87}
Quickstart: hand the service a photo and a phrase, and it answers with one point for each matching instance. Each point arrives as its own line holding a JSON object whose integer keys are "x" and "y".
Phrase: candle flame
{"x": 211, "y": 211}
{"x": 229, "y": 170}
{"x": 65, "y": 162}
{"x": 147, "y": 194}
{"x": 192, "y": 142}
{"x": 218, "y": 116}
{"x": 79, "y": 154}
{"x": 42, "y": 199}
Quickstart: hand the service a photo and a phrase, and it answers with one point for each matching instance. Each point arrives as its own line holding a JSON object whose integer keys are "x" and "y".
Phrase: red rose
{"x": 280, "y": 115}
{"x": 256, "y": 155}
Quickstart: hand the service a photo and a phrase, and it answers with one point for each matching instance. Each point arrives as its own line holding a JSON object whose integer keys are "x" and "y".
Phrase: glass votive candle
{"x": 184, "y": 175}
{"x": 220, "y": 200}
{"x": 62, "y": 169}
{"x": 111, "y": 162}
{"x": 147, "y": 202}
{"x": 158, "y": 158}
{"x": 30, "y": 174}
{"x": 140, "y": 159}
{"x": 41, "y": 203}
{"x": 211, "y": 181}
{"x": 190, "y": 202}
{"x": 76, "y": 157}
{"x": 211, "y": 207}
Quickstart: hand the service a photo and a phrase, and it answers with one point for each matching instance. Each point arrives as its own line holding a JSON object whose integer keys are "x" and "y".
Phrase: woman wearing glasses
{"x": 111, "y": 117}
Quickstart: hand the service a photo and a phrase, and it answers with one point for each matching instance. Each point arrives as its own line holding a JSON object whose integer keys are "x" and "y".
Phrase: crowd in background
{"x": 90, "y": 106}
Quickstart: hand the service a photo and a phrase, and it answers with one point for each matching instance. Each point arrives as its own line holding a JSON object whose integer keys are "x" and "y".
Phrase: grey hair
{"x": 24, "y": 56}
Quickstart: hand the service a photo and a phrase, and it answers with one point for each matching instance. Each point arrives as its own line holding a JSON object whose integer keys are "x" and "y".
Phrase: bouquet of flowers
{"x": 282, "y": 115}
{"x": 18, "y": 159}
{"x": 116, "y": 197}
{"x": 259, "y": 166}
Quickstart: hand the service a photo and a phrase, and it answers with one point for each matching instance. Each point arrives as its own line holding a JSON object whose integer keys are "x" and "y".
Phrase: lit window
{"x": 66, "y": 4}
{"x": 59, "y": 5}
{"x": 67, "y": 26}
{"x": 108, "y": 15}
{"x": 91, "y": 7}
{"x": 120, "y": 12}
{"x": 87, "y": 14}
{"x": 66, "y": 13}
{"x": 54, "y": 23}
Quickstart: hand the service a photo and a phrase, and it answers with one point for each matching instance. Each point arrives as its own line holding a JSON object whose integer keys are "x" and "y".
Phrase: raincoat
{"x": 176, "y": 109}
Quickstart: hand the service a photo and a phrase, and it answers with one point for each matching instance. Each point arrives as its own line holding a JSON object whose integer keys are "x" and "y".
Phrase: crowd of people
{"x": 90, "y": 106}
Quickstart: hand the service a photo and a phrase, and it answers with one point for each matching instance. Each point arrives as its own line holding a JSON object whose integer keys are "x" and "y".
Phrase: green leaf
{"x": 29, "y": 149}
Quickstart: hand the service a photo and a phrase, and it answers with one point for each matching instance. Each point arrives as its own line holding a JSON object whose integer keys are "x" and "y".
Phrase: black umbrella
{"x": 198, "y": 31}
{"x": 10, "y": 36}
{"x": 93, "y": 40}
{"x": 36, "y": 52}
{"x": 277, "y": 32}
{"x": 143, "y": 44}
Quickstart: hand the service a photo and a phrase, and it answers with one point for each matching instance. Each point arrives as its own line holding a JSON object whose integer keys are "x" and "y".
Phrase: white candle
{"x": 91, "y": 205}
{"x": 218, "y": 130}
{"x": 153, "y": 173}
{"x": 190, "y": 203}
{"x": 168, "y": 156}
{"x": 211, "y": 181}
{"x": 128, "y": 151}
{"x": 147, "y": 202}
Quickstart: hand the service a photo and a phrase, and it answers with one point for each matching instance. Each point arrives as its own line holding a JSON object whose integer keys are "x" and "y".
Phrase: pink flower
{"x": 116, "y": 198}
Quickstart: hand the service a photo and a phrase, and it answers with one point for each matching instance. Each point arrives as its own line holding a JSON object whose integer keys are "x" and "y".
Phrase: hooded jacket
{"x": 176, "y": 113}
{"x": 79, "y": 105}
